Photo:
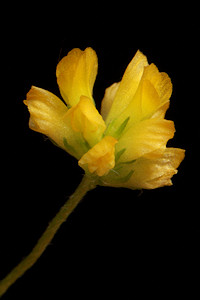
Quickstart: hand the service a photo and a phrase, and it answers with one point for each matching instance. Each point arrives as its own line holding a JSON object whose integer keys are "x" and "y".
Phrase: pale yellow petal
{"x": 145, "y": 137}
{"x": 128, "y": 85}
{"x": 146, "y": 173}
{"x": 45, "y": 108}
{"x": 154, "y": 173}
{"x": 76, "y": 74}
{"x": 101, "y": 158}
{"x": 47, "y": 116}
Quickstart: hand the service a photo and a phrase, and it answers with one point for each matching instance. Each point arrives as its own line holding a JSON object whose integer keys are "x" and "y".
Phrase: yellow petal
{"x": 160, "y": 81}
{"x": 47, "y": 116}
{"x": 85, "y": 118}
{"x": 101, "y": 158}
{"x": 108, "y": 98}
{"x": 147, "y": 173}
{"x": 153, "y": 93}
{"x": 128, "y": 85}
{"x": 76, "y": 74}
{"x": 45, "y": 108}
{"x": 154, "y": 173}
{"x": 145, "y": 137}
{"x": 148, "y": 99}
{"x": 145, "y": 102}
{"x": 160, "y": 112}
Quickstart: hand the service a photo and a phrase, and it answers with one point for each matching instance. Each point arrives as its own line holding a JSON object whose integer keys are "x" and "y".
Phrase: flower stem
{"x": 86, "y": 185}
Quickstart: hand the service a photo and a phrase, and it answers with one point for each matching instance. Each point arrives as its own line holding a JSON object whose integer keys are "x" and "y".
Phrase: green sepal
{"x": 119, "y": 154}
{"x": 121, "y": 128}
{"x": 127, "y": 177}
{"x": 116, "y": 131}
{"x": 114, "y": 177}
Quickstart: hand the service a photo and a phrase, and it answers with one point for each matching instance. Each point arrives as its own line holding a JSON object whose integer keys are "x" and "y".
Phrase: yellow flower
{"x": 125, "y": 146}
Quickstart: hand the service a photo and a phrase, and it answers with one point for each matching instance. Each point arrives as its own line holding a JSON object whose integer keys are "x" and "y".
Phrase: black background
{"x": 118, "y": 241}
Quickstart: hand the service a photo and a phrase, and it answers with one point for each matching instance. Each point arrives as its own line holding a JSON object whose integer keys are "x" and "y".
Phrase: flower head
{"x": 125, "y": 146}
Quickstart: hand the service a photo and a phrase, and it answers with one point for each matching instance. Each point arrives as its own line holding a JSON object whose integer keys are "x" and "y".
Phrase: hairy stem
{"x": 86, "y": 185}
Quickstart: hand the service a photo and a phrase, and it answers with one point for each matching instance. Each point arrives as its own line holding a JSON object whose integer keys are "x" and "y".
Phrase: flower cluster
{"x": 125, "y": 145}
